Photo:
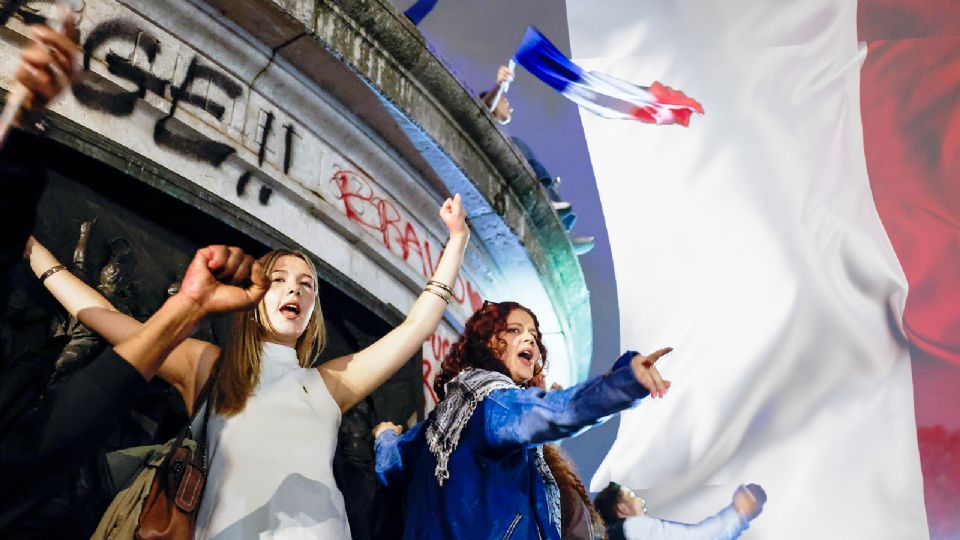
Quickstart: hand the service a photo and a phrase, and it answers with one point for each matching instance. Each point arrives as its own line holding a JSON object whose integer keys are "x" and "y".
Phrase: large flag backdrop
{"x": 763, "y": 241}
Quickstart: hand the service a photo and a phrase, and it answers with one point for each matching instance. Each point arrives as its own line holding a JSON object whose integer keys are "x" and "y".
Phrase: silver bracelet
{"x": 440, "y": 284}
{"x": 445, "y": 298}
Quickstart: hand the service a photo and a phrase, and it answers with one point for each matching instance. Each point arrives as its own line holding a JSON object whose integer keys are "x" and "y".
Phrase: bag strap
{"x": 201, "y": 402}
{"x": 206, "y": 417}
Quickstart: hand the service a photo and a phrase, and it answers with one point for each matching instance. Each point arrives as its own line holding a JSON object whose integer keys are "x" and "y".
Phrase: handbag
{"x": 160, "y": 500}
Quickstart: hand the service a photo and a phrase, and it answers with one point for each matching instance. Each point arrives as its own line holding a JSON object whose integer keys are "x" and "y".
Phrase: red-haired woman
{"x": 475, "y": 467}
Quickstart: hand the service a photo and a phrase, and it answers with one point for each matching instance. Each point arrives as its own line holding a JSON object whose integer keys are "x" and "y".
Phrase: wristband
{"x": 53, "y": 270}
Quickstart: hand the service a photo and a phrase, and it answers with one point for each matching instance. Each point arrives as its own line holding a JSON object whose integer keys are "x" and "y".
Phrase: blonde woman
{"x": 273, "y": 432}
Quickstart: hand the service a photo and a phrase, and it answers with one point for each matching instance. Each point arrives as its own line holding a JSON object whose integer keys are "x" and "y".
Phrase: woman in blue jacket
{"x": 475, "y": 467}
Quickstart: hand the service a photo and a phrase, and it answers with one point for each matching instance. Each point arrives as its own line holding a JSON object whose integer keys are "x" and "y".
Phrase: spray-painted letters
{"x": 381, "y": 217}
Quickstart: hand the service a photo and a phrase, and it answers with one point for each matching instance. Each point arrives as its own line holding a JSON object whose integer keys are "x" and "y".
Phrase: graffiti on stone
{"x": 103, "y": 95}
{"x": 133, "y": 54}
{"x": 433, "y": 352}
{"x": 363, "y": 204}
{"x": 197, "y": 147}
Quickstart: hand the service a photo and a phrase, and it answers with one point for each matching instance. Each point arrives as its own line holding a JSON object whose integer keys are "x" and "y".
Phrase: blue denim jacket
{"x": 495, "y": 490}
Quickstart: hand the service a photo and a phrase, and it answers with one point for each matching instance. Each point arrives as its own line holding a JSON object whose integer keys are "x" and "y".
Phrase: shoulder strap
{"x": 201, "y": 402}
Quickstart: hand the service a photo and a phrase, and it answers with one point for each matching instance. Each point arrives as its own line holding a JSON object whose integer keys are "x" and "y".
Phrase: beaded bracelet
{"x": 53, "y": 270}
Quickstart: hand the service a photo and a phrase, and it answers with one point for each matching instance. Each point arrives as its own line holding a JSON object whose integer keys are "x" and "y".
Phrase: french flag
{"x": 603, "y": 95}
{"x": 800, "y": 249}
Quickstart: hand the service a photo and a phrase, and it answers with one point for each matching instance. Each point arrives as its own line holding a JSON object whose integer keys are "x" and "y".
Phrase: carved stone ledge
{"x": 454, "y": 141}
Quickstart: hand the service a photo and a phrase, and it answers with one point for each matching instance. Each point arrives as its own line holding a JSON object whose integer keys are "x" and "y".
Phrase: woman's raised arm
{"x": 352, "y": 377}
{"x": 190, "y": 361}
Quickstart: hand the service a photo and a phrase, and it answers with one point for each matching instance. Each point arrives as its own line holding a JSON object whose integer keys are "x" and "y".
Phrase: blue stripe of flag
{"x": 419, "y": 10}
{"x": 541, "y": 58}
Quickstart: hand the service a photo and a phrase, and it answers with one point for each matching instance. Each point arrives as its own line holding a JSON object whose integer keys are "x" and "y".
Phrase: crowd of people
{"x": 481, "y": 465}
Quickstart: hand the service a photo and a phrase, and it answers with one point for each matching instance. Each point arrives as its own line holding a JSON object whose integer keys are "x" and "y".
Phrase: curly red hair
{"x": 480, "y": 346}
{"x": 571, "y": 487}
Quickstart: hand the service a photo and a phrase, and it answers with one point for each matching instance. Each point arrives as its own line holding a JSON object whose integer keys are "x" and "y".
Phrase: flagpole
{"x": 502, "y": 89}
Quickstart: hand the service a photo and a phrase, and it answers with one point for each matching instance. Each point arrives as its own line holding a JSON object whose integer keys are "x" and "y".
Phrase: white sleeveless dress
{"x": 271, "y": 465}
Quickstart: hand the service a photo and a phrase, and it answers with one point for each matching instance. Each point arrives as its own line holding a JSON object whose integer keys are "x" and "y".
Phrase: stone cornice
{"x": 448, "y": 128}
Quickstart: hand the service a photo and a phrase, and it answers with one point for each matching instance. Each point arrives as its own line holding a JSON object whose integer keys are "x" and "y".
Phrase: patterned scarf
{"x": 464, "y": 392}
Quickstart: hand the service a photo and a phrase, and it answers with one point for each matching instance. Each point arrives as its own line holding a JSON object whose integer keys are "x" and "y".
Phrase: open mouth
{"x": 526, "y": 355}
{"x": 290, "y": 310}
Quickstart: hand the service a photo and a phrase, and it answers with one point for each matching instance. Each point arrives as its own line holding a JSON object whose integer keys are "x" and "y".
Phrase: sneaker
{"x": 568, "y": 220}
{"x": 561, "y": 206}
{"x": 581, "y": 244}
{"x": 564, "y": 213}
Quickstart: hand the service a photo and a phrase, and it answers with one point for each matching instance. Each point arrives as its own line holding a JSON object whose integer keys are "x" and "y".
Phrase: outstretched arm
{"x": 727, "y": 524}
{"x": 47, "y": 66}
{"x": 78, "y": 417}
{"x": 22, "y": 174}
{"x": 515, "y": 418}
{"x": 352, "y": 377}
{"x": 187, "y": 362}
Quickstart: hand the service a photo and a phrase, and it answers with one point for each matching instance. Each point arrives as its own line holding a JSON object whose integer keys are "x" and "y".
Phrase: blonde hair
{"x": 239, "y": 371}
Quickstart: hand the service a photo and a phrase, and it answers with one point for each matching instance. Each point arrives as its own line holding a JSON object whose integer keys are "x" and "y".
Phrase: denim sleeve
{"x": 725, "y": 525}
{"x": 521, "y": 418}
{"x": 396, "y": 455}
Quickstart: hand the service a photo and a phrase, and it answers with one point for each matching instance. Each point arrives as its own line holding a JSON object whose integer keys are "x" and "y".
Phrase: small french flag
{"x": 602, "y": 94}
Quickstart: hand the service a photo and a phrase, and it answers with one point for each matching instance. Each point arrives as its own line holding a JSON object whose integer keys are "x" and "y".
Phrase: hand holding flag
{"x": 48, "y": 65}
{"x": 504, "y": 78}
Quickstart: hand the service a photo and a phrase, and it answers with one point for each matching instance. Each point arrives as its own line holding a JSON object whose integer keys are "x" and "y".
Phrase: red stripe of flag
{"x": 909, "y": 87}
